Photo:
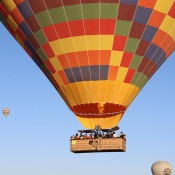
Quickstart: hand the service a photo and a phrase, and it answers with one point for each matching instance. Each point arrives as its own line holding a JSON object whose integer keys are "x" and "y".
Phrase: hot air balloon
{"x": 98, "y": 54}
{"x": 6, "y": 112}
{"x": 162, "y": 168}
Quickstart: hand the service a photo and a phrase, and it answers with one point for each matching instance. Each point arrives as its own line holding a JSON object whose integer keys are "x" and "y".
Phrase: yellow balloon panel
{"x": 105, "y": 123}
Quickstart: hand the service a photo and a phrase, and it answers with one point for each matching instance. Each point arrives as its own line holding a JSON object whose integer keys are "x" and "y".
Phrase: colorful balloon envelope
{"x": 98, "y": 54}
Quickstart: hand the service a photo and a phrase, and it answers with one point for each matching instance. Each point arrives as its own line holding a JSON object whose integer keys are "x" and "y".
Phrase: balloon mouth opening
{"x": 98, "y": 110}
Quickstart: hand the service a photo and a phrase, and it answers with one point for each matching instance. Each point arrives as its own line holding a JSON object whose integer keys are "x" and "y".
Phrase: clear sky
{"x": 34, "y": 139}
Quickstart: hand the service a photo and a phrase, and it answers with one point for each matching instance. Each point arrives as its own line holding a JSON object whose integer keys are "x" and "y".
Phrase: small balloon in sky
{"x": 6, "y": 112}
{"x": 162, "y": 168}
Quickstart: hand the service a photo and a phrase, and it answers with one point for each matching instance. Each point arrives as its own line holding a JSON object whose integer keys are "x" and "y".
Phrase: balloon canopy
{"x": 162, "y": 168}
{"x": 98, "y": 54}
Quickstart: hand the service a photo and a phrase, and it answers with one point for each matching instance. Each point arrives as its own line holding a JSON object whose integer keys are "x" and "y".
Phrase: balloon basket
{"x": 98, "y": 145}
{"x": 98, "y": 140}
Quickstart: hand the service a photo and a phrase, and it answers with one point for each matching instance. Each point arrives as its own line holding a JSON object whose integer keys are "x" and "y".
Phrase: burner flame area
{"x": 101, "y": 107}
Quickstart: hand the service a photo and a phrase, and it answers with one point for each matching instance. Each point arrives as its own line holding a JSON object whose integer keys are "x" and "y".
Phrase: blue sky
{"x": 34, "y": 139}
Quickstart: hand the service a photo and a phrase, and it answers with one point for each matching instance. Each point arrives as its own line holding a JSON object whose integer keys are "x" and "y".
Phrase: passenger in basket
{"x": 107, "y": 135}
{"x": 92, "y": 136}
{"x": 122, "y": 135}
{"x": 72, "y": 137}
{"x": 114, "y": 135}
{"x": 95, "y": 135}
{"x": 85, "y": 136}
{"x": 76, "y": 136}
{"x": 89, "y": 136}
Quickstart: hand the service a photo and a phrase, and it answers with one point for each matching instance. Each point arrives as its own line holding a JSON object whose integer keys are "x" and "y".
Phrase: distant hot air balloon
{"x": 98, "y": 54}
{"x": 6, "y": 112}
{"x": 162, "y": 168}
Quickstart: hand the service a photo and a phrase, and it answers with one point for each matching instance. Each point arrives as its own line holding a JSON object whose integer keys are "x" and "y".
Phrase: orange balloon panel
{"x": 98, "y": 54}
